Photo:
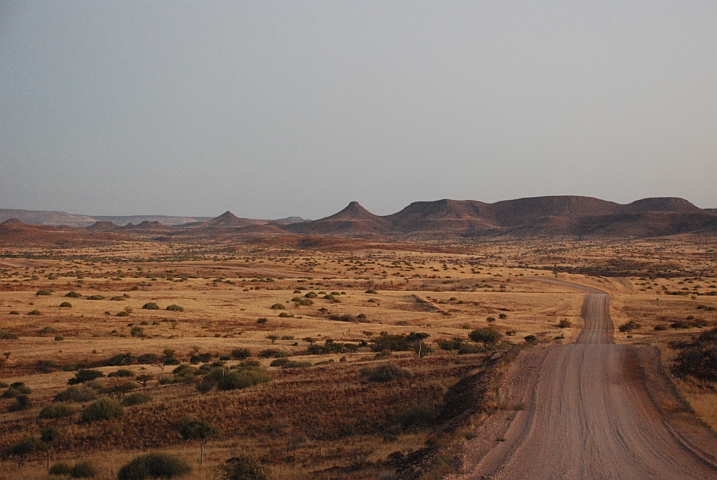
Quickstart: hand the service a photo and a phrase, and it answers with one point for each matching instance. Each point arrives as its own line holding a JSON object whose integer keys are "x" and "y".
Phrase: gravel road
{"x": 592, "y": 418}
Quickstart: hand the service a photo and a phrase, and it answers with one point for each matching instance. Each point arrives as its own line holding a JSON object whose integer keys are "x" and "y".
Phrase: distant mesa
{"x": 104, "y": 227}
{"x": 446, "y": 219}
{"x": 13, "y": 221}
{"x": 147, "y": 225}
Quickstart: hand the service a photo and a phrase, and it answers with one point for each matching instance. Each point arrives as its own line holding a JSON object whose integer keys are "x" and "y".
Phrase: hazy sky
{"x": 271, "y": 109}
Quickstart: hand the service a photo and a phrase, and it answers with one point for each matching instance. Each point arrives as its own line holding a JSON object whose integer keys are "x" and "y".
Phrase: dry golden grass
{"x": 444, "y": 291}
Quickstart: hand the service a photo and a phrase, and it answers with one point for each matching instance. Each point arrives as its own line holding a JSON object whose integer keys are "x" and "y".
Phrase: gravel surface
{"x": 590, "y": 417}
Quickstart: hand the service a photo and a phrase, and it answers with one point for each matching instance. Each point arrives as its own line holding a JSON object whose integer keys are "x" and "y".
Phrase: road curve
{"x": 592, "y": 417}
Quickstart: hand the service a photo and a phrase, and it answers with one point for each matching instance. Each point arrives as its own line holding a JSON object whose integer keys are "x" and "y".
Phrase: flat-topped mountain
{"x": 567, "y": 215}
{"x": 537, "y": 216}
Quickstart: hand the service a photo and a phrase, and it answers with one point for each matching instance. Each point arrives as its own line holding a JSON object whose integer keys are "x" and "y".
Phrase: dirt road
{"x": 591, "y": 417}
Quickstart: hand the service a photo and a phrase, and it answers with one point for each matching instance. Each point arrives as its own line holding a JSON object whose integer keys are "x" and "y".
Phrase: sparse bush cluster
{"x": 154, "y": 465}
{"x": 629, "y": 326}
{"x": 699, "y": 359}
{"x": 332, "y": 347}
{"x": 245, "y": 376}
{"x": 385, "y": 373}
{"x": 398, "y": 342}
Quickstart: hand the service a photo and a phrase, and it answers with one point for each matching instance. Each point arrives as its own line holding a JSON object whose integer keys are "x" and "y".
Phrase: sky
{"x": 295, "y": 108}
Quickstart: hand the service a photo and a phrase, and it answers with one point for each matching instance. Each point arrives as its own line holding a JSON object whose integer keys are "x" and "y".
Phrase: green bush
{"x": 75, "y": 394}
{"x": 629, "y": 326}
{"x": 22, "y": 402}
{"x": 122, "y": 372}
{"x": 399, "y": 342}
{"x": 83, "y": 470}
{"x": 154, "y": 465}
{"x": 450, "y": 344}
{"x": 175, "y": 308}
{"x": 8, "y": 335}
{"x": 65, "y": 305}
{"x": 243, "y": 378}
{"x": 242, "y": 467}
{"x": 197, "y": 429}
{"x": 385, "y": 373}
{"x": 95, "y": 297}
{"x": 262, "y": 320}
{"x": 661, "y": 327}
{"x": 61, "y": 469}
{"x": 15, "y": 390}
{"x": 118, "y": 299}
{"x": 57, "y": 410}
{"x": 150, "y": 306}
{"x": 35, "y": 312}
{"x": 565, "y": 323}
{"x": 417, "y": 416}
{"x": 85, "y": 375}
{"x": 371, "y": 290}
{"x": 241, "y": 353}
{"x": 103, "y": 409}
{"x": 278, "y": 306}
{"x": 137, "y": 398}
{"x": 486, "y": 336}
{"x": 470, "y": 349}
{"x": 43, "y": 291}
{"x": 273, "y": 353}
{"x": 73, "y": 294}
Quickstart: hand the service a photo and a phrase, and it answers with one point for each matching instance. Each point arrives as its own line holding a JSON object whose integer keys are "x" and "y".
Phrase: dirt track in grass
{"x": 591, "y": 416}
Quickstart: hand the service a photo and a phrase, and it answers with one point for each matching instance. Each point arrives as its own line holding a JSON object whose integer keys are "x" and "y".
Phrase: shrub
{"x": 175, "y": 308}
{"x": 385, "y": 373}
{"x": 137, "y": 398}
{"x": 273, "y": 353}
{"x": 75, "y": 394}
{"x": 47, "y": 366}
{"x": 278, "y": 306}
{"x": 371, "y": 291}
{"x": 450, "y": 344}
{"x": 148, "y": 358}
{"x": 262, "y": 320}
{"x": 65, "y": 305}
{"x": 95, "y": 297}
{"x": 57, "y": 410}
{"x": 122, "y": 372}
{"x": 681, "y": 324}
{"x": 35, "y": 312}
{"x": 8, "y": 335}
{"x": 241, "y": 353}
{"x": 73, "y": 294}
{"x": 502, "y": 316}
{"x": 103, "y": 409}
{"x": 150, "y": 306}
{"x": 398, "y": 343}
{"x": 486, "y": 336}
{"x": 417, "y": 416}
{"x": 83, "y": 470}
{"x": 14, "y": 312}
{"x": 629, "y": 326}
{"x": 85, "y": 375}
{"x": 61, "y": 469}
{"x": 22, "y": 402}
{"x": 490, "y": 319}
{"x": 470, "y": 348}
{"x": 242, "y": 467}
{"x": 197, "y": 429}
{"x": 43, "y": 291}
{"x": 49, "y": 435}
{"x": 118, "y": 299}
{"x": 661, "y": 327}
{"x": 565, "y": 323}
{"x": 531, "y": 338}
{"x": 243, "y": 378}
{"x": 154, "y": 465}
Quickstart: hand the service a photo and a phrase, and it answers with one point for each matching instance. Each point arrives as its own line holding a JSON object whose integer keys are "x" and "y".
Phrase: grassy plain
{"x": 320, "y": 416}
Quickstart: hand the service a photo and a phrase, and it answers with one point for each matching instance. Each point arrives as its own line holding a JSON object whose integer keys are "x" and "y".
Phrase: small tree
{"x": 198, "y": 430}
{"x": 486, "y": 336}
